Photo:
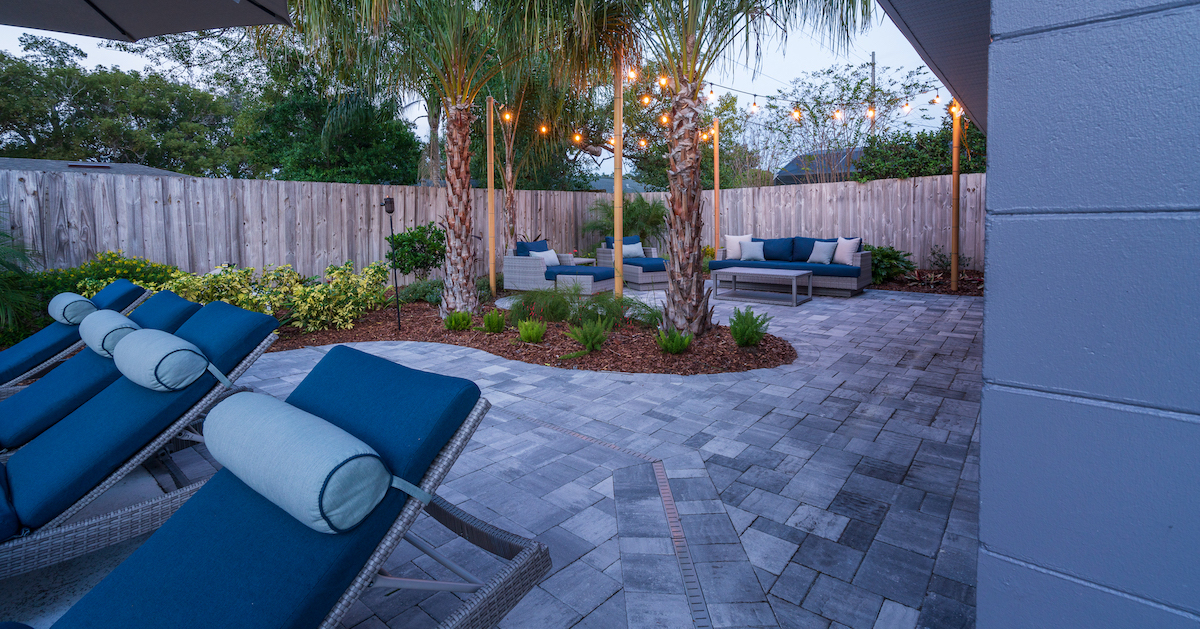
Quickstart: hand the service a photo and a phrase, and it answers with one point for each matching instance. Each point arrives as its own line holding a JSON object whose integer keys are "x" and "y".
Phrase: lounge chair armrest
{"x": 862, "y": 260}
{"x": 566, "y": 259}
{"x": 651, "y": 252}
{"x": 720, "y": 254}
{"x": 604, "y": 257}
{"x": 524, "y": 262}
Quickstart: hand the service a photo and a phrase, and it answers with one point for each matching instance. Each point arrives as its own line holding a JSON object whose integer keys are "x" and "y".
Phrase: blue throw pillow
{"x": 625, "y": 240}
{"x": 523, "y": 248}
{"x": 776, "y": 248}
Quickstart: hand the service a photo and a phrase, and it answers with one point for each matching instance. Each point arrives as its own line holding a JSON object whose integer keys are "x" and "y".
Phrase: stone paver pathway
{"x": 838, "y": 491}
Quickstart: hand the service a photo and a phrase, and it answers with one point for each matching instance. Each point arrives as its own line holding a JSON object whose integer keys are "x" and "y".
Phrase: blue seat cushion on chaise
{"x": 258, "y": 566}
{"x": 54, "y": 338}
{"x": 523, "y": 248}
{"x": 62, "y": 464}
{"x": 10, "y": 524}
{"x": 834, "y": 270}
{"x": 598, "y": 273}
{"x": 648, "y": 265}
{"x": 30, "y": 411}
{"x": 625, "y": 240}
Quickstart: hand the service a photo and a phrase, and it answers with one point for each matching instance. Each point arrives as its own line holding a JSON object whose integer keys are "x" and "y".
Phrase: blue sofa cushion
{"x": 802, "y": 247}
{"x": 10, "y": 524}
{"x": 776, "y": 248}
{"x": 71, "y": 457}
{"x": 259, "y": 566}
{"x": 406, "y": 415}
{"x": 833, "y": 270}
{"x": 598, "y": 273}
{"x": 523, "y": 248}
{"x": 56, "y": 337}
{"x": 30, "y": 411}
{"x": 649, "y": 265}
{"x": 609, "y": 241}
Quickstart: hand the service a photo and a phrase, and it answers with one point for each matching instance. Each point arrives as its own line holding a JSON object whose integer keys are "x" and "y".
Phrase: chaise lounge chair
{"x": 35, "y": 408}
{"x": 231, "y": 557}
{"x": 646, "y": 272}
{"x": 81, "y": 456}
{"x": 524, "y": 269}
{"x": 55, "y": 342}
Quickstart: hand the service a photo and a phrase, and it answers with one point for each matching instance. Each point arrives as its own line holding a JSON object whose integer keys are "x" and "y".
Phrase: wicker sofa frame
{"x": 529, "y": 273}
{"x": 635, "y": 277}
{"x": 58, "y": 541}
{"x": 10, "y": 388}
{"x": 821, "y": 284}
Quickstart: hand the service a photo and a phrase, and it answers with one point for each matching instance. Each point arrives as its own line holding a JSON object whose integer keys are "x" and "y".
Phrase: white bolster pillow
{"x": 158, "y": 360}
{"x": 103, "y": 329}
{"x": 70, "y": 308}
{"x": 323, "y": 476}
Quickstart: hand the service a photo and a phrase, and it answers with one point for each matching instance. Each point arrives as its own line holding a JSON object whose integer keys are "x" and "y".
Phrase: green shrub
{"x": 673, "y": 342}
{"x": 418, "y": 250}
{"x": 458, "y": 321}
{"x": 746, "y": 328}
{"x": 613, "y": 311}
{"x": 340, "y": 300}
{"x": 483, "y": 286}
{"x": 646, "y": 219}
{"x": 543, "y": 305}
{"x": 888, "y": 262}
{"x": 591, "y": 335}
{"x": 422, "y": 290}
{"x": 940, "y": 260}
{"x": 493, "y": 322}
{"x": 531, "y": 330}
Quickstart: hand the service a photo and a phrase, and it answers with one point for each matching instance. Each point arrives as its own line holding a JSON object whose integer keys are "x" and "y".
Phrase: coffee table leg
{"x": 810, "y": 286}
{"x": 793, "y": 292}
{"x": 734, "y": 283}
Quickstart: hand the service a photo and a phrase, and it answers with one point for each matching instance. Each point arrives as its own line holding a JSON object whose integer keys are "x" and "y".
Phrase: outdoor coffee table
{"x": 763, "y": 276}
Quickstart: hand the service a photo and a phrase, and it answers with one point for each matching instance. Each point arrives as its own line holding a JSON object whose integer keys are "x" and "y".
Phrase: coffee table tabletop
{"x": 770, "y": 276}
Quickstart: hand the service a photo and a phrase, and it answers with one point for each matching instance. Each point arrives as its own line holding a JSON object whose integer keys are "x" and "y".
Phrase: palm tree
{"x": 688, "y": 38}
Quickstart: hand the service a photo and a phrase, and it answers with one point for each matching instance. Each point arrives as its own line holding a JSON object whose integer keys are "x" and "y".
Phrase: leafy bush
{"x": 422, "y": 290}
{"x": 611, "y": 310}
{"x": 493, "y": 322}
{"x": 483, "y": 286}
{"x": 903, "y": 154}
{"x": 888, "y": 262}
{"x": 940, "y": 260}
{"x": 746, "y": 328}
{"x": 673, "y": 342}
{"x": 339, "y": 301}
{"x": 647, "y": 219}
{"x": 544, "y": 305}
{"x": 418, "y": 250}
{"x": 591, "y": 335}
{"x": 531, "y": 330}
{"x": 458, "y": 321}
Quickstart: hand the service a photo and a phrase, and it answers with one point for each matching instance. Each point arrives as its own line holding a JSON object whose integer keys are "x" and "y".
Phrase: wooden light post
{"x": 716, "y": 185}
{"x": 956, "y": 111}
{"x": 491, "y": 197}
{"x": 618, "y": 195}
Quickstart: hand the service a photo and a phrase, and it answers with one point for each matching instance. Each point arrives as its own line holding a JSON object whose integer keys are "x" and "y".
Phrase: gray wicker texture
{"x": 635, "y": 277}
{"x": 46, "y": 546}
{"x": 822, "y": 284}
{"x": 8, "y": 389}
{"x": 529, "y": 273}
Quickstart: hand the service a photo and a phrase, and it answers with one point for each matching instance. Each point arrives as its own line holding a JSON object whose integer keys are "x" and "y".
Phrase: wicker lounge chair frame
{"x": 56, "y": 541}
{"x": 635, "y": 277}
{"x": 10, "y": 388}
{"x": 529, "y": 273}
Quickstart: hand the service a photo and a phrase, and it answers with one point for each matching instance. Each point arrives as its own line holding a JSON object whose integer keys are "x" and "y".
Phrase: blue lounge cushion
{"x": 831, "y": 270}
{"x": 320, "y": 474}
{"x": 598, "y": 273}
{"x": 102, "y": 329}
{"x": 70, "y": 308}
{"x": 648, "y": 265}
{"x": 159, "y": 360}
{"x": 10, "y": 524}
{"x": 30, "y": 411}
{"x": 610, "y": 242}
{"x": 523, "y": 248}
{"x": 56, "y": 337}
{"x": 113, "y": 425}
{"x": 776, "y": 248}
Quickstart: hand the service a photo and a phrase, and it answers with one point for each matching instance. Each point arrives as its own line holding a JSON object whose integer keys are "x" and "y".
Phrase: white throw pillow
{"x": 633, "y": 251}
{"x": 752, "y": 251}
{"x": 733, "y": 246}
{"x": 822, "y": 252}
{"x": 846, "y": 248}
{"x": 550, "y": 256}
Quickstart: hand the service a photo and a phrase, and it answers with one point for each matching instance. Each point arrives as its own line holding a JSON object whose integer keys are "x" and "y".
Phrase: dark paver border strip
{"x": 691, "y": 583}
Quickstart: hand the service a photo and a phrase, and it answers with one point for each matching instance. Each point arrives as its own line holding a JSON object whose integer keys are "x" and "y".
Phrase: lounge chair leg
{"x": 426, "y": 548}
{"x": 188, "y": 435}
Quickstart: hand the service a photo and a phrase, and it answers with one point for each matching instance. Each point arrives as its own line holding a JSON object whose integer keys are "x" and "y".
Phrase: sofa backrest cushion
{"x": 753, "y": 250}
{"x": 550, "y": 257}
{"x": 776, "y": 248}
{"x": 846, "y": 248}
{"x": 625, "y": 240}
{"x": 523, "y": 248}
{"x": 823, "y": 252}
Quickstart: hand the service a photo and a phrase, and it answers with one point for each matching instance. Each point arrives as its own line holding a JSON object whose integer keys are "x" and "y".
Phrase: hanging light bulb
{"x": 544, "y": 130}
{"x": 937, "y": 98}
{"x": 578, "y": 138}
{"x": 837, "y": 115}
{"x": 907, "y": 108}
{"x": 642, "y": 142}
{"x": 870, "y": 112}
{"x": 646, "y": 99}
{"x": 703, "y": 137}
{"x": 632, "y": 74}
{"x": 662, "y": 81}
{"x": 664, "y": 119}
{"x": 754, "y": 105}
{"x": 796, "y": 113}
{"x": 507, "y": 116}
{"x": 712, "y": 96}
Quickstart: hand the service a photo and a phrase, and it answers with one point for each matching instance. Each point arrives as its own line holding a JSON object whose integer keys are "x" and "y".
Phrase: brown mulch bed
{"x": 938, "y": 283}
{"x": 629, "y": 349}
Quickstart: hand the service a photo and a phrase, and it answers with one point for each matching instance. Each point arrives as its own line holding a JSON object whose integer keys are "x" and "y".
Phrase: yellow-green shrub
{"x": 341, "y": 300}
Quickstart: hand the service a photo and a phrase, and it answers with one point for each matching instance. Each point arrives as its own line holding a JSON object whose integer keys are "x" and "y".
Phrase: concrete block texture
{"x": 1013, "y": 596}
{"x": 1084, "y": 305}
{"x": 1102, "y": 492}
{"x": 1015, "y": 17}
{"x": 1087, "y": 119}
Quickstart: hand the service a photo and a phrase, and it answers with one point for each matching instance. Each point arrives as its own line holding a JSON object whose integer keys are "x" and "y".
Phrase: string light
{"x": 632, "y": 74}
{"x": 578, "y": 138}
{"x": 664, "y": 119}
{"x": 796, "y": 113}
{"x": 754, "y": 105}
{"x": 646, "y": 99}
{"x": 703, "y": 137}
{"x": 937, "y": 98}
{"x": 837, "y": 115}
{"x": 871, "y": 112}
{"x": 712, "y": 96}
{"x": 507, "y": 116}
{"x": 662, "y": 81}
{"x": 544, "y": 130}
{"x": 907, "y": 108}
{"x": 642, "y": 142}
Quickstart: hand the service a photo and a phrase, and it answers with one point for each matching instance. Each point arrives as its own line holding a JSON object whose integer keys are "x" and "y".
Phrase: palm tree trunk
{"x": 433, "y": 106}
{"x": 459, "y": 294}
{"x": 687, "y": 306}
{"x": 510, "y": 193}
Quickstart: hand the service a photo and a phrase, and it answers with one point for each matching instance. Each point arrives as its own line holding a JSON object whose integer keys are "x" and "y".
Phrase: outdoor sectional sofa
{"x": 523, "y": 271}
{"x": 839, "y": 280}
{"x": 647, "y": 273}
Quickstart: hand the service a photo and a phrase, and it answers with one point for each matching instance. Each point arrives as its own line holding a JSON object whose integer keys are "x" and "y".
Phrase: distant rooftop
{"x": 61, "y": 166}
{"x": 606, "y": 184}
{"x": 819, "y": 166}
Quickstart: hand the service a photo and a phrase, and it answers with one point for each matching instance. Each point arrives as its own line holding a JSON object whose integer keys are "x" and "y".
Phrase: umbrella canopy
{"x": 131, "y": 20}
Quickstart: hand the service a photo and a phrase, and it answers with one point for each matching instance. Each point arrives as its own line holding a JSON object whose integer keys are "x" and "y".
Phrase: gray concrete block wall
{"x": 1090, "y": 516}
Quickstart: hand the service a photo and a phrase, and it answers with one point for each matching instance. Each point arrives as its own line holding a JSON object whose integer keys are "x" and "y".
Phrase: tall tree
{"x": 689, "y": 38}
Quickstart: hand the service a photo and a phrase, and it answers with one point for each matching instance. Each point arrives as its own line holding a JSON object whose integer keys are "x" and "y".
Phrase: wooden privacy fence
{"x": 197, "y": 224}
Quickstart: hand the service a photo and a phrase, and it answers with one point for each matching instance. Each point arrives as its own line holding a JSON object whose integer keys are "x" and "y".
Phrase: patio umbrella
{"x": 131, "y": 20}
